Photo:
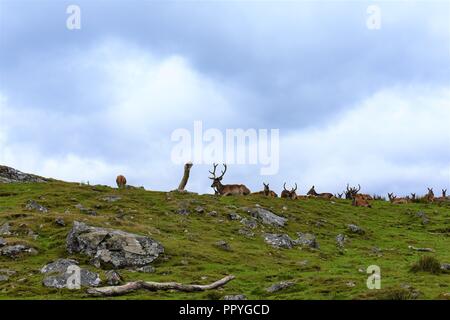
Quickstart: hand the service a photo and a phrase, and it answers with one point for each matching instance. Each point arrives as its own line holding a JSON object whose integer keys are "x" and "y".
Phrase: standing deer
{"x": 312, "y": 193}
{"x": 289, "y": 194}
{"x": 226, "y": 189}
{"x": 121, "y": 181}
{"x": 430, "y": 195}
{"x": 267, "y": 192}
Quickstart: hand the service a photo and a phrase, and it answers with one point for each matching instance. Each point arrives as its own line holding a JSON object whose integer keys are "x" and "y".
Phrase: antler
{"x": 223, "y": 171}
{"x": 214, "y": 171}
{"x": 294, "y": 189}
{"x": 284, "y": 186}
{"x": 359, "y": 188}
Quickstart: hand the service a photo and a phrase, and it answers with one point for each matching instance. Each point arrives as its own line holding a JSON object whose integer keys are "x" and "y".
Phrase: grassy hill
{"x": 192, "y": 256}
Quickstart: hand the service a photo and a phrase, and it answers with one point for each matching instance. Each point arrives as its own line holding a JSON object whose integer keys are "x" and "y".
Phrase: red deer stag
{"x": 121, "y": 181}
{"x": 394, "y": 200}
{"x": 226, "y": 189}
{"x": 267, "y": 192}
{"x": 312, "y": 193}
{"x": 360, "y": 201}
{"x": 430, "y": 195}
{"x": 444, "y": 196}
{"x": 289, "y": 194}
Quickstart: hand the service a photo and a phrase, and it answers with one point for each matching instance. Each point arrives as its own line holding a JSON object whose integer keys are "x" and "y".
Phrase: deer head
{"x": 312, "y": 192}
{"x": 289, "y": 193}
{"x": 444, "y": 191}
{"x": 266, "y": 188}
{"x": 413, "y": 196}
{"x": 216, "y": 180}
{"x": 351, "y": 192}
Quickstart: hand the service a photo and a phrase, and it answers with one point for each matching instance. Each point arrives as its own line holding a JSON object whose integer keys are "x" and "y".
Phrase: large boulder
{"x": 11, "y": 175}
{"x": 112, "y": 248}
{"x": 267, "y": 217}
{"x": 279, "y": 240}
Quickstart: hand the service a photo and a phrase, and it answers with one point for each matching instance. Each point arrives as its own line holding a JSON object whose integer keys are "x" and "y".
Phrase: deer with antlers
{"x": 267, "y": 192}
{"x": 430, "y": 195}
{"x": 121, "y": 181}
{"x": 312, "y": 193}
{"x": 291, "y": 194}
{"x": 444, "y": 196}
{"x": 360, "y": 201}
{"x": 394, "y": 200}
{"x": 226, "y": 189}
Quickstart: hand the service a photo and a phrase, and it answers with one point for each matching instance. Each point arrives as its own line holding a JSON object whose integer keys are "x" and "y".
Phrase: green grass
{"x": 191, "y": 253}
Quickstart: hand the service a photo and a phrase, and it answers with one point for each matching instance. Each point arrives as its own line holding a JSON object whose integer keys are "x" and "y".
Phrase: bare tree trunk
{"x": 184, "y": 180}
{"x": 155, "y": 286}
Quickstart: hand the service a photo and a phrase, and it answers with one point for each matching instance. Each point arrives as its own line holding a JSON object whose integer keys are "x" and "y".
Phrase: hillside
{"x": 204, "y": 239}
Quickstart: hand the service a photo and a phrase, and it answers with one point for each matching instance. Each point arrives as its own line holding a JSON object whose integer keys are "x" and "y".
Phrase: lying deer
{"x": 289, "y": 194}
{"x": 393, "y": 199}
{"x": 226, "y": 189}
{"x": 360, "y": 201}
{"x": 351, "y": 192}
{"x": 312, "y": 193}
{"x": 267, "y": 192}
{"x": 444, "y": 196}
{"x": 430, "y": 195}
{"x": 121, "y": 181}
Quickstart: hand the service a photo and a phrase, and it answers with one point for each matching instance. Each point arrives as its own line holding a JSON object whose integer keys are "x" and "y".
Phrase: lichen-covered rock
{"x": 355, "y": 229}
{"x": 221, "y": 244}
{"x": 60, "y": 274}
{"x": 112, "y": 198}
{"x": 280, "y": 286}
{"x": 112, "y": 248}
{"x": 235, "y": 297}
{"x": 279, "y": 240}
{"x": 32, "y": 205}
{"x": 83, "y": 209}
{"x": 306, "y": 239}
{"x": 11, "y": 175}
{"x": 2, "y": 242}
{"x": 113, "y": 278}
{"x": 267, "y": 217}
{"x": 5, "y": 229}
{"x": 340, "y": 240}
{"x": 15, "y": 250}
{"x": 249, "y": 223}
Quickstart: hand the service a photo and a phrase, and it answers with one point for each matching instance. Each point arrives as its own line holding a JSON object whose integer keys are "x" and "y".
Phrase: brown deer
{"x": 226, "y": 189}
{"x": 413, "y": 196}
{"x": 289, "y": 194}
{"x": 121, "y": 181}
{"x": 394, "y": 200}
{"x": 444, "y": 195}
{"x": 351, "y": 192}
{"x": 360, "y": 201}
{"x": 430, "y": 195}
{"x": 267, "y": 192}
{"x": 312, "y": 193}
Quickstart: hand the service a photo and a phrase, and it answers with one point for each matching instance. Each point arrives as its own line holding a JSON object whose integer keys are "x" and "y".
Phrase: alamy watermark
{"x": 374, "y": 280}
{"x": 373, "y": 21}
{"x": 73, "y": 282}
{"x": 73, "y": 21}
{"x": 234, "y": 146}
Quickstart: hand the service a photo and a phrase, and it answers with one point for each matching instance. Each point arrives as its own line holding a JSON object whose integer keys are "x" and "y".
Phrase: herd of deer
{"x": 351, "y": 193}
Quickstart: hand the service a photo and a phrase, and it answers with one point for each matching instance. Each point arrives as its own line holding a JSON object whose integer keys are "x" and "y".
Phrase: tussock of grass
{"x": 427, "y": 264}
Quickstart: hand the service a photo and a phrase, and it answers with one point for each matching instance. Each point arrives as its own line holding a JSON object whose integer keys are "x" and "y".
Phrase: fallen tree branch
{"x": 155, "y": 286}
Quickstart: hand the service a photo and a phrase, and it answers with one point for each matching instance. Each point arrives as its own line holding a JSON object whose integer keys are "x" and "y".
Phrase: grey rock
{"x": 109, "y": 247}
{"x": 3, "y": 278}
{"x": 11, "y": 175}
{"x": 246, "y": 232}
{"x": 111, "y": 198}
{"x": 60, "y": 222}
{"x": 2, "y": 242}
{"x": 235, "y": 297}
{"x": 58, "y": 266}
{"x": 113, "y": 278}
{"x": 249, "y": 223}
{"x": 199, "y": 209}
{"x": 212, "y": 213}
{"x": 279, "y": 240}
{"x": 5, "y": 229}
{"x": 423, "y": 216}
{"x": 355, "y": 229}
{"x": 183, "y": 211}
{"x": 340, "y": 240}
{"x": 233, "y": 216}
{"x": 85, "y": 210}
{"x": 307, "y": 239}
{"x": 223, "y": 245}
{"x": 34, "y": 206}
{"x": 267, "y": 217}
{"x": 445, "y": 266}
{"x": 146, "y": 269}
{"x": 61, "y": 280}
{"x": 280, "y": 286}
{"x": 15, "y": 250}
{"x": 8, "y": 272}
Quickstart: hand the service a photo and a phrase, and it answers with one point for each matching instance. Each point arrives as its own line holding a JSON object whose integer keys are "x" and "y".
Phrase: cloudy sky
{"x": 352, "y": 104}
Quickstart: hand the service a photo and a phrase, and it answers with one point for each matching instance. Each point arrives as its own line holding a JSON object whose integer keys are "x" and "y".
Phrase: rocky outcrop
{"x": 279, "y": 240}
{"x": 307, "y": 240}
{"x": 11, "y": 175}
{"x": 15, "y": 250}
{"x": 267, "y": 217}
{"x": 59, "y": 274}
{"x": 32, "y": 205}
{"x": 112, "y": 248}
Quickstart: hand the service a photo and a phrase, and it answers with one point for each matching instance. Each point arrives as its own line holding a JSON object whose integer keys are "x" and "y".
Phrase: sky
{"x": 352, "y": 104}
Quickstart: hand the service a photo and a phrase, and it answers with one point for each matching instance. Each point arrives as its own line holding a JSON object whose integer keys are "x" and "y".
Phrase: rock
{"x": 3, "y": 278}
{"x": 235, "y": 297}
{"x": 249, "y": 223}
{"x": 307, "y": 239}
{"x": 60, "y": 222}
{"x": 279, "y": 240}
{"x": 32, "y": 205}
{"x": 340, "y": 240}
{"x": 350, "y": 284}
{"x": 15, "y": 250}
{"x": 2, "y": 242}
{"x": 199, "y": 209}
{"x": 445, "y": 266}
{"x": 61, "y": 280}
{"x": 111, "y": 198}
{"x": 183, "y": 211}
{"x": 113, "y": 278}
{"x": 246, "y": 233}
{"x": 32, "y": 234}
{"x": 280, "y": 286}
{"x": 58, "y": 266}
{"x": 212, "y": 214}
{"x": 355, "y": 229}
{"x": 223, "y": 245}
{"x": 5, "y": 229}
{"x": 267, "y": 217}
{"x": 423, "y": 216}
{"x": 8, "y": 272}
{"x": 11, "y": 175}
{"x": 86, "y": 210}
{"x": 108, "y": 247}
{"x": 233, "y": 216}
{"x": 146, "y": 269}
